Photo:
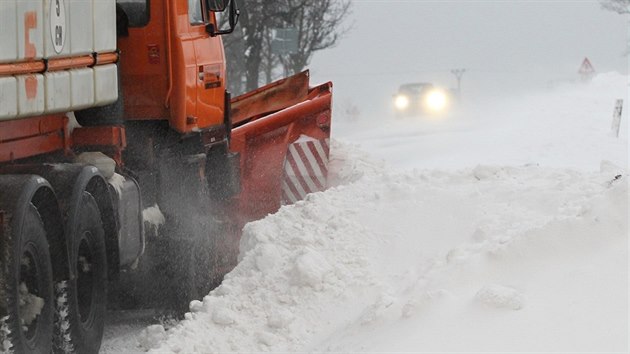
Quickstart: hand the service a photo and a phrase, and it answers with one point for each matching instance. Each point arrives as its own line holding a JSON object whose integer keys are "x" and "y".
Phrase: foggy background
{"x": 506, "y": 47}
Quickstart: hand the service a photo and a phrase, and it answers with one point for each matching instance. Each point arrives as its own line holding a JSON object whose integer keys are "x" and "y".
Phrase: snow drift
{"x": 540, "y": 264}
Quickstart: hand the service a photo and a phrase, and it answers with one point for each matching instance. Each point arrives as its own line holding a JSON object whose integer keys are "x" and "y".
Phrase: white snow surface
{"x": 503, "y": 228}
{"x": 117, "y": 181}
{"x": 153, "y": 216}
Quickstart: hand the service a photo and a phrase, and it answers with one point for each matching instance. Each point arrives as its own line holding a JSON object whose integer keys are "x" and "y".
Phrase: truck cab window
{"x": 136, "y": 12}
{"x": 195, "y": 12}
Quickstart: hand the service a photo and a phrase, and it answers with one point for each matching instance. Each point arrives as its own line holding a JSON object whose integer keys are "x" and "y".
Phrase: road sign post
{"x": 587, "y": 71}
{"x": 616, "y": 123}
{"x": 458, "y": 74}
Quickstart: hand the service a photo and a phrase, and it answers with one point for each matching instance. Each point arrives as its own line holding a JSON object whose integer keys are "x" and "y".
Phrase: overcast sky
{"x": 504, "y": 45}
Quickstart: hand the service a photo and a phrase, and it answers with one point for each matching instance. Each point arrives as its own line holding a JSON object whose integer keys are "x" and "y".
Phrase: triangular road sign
{"x": 586, "y": 68}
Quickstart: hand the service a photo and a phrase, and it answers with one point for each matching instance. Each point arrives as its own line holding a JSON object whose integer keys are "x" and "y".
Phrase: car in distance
{"x": 421, "y": 98}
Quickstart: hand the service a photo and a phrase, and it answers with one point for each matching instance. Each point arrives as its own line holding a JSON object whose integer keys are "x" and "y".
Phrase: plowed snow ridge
{"x": 365, "y": 255}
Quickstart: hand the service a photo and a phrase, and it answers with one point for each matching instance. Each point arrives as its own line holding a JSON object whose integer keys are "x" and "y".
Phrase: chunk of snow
{"x": 5, "y": 343}
{"x": 223, "y": 316}
{"x": 30, "y": 304}
{"x": 501, "y": 297}
{"x": 72, "y": 122}
{"x": 267, "y": 258}
{"x": 196, "y": 306}
{"x": 105, "y": 164}
{"x": 309, "y": 269}
{"x": 280, "y": 318}
{"x": 153, "y": 216}
{"x": 267, "y": 338}
{"x": 151, "y": 337}
{"x": 117, "y": 181}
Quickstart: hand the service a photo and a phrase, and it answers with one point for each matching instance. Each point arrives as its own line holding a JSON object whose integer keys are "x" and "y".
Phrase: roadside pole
{"x": 458, "y": 74}
{"x": 616, "y": 123}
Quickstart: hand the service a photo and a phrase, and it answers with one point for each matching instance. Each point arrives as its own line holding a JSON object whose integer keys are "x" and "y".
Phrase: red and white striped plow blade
{"x": 305, "y": 169}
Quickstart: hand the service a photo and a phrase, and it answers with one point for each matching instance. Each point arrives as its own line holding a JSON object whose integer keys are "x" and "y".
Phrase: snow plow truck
{"x": 126, "y": 169}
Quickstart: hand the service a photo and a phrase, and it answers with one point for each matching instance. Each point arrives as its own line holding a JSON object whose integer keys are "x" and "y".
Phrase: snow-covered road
{"x": 502, "y": 228}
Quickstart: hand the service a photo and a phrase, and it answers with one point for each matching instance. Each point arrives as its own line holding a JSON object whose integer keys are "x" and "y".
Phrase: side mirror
{"x": 226, "y": 19}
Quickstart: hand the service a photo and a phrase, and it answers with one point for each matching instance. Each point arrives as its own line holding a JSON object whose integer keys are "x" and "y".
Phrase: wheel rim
{"x": 30, "y": 288}
{"x": 85, "y": 280}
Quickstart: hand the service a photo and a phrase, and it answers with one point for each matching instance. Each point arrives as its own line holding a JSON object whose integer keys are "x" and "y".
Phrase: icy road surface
{"x": 503, "y": 228}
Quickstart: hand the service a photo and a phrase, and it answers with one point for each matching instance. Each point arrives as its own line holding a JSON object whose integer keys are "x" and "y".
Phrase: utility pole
{"x": 458, "y": 74}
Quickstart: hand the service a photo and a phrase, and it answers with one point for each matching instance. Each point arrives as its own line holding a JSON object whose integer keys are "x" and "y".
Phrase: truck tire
{"x": 27, "y": 289}
{"x": 188, "y": 265}
{"x": 178, "y": 252}
{"x": 82, "y": 302}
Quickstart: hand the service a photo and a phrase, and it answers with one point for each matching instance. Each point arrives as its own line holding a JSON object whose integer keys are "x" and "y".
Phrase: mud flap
{"x": 223, "y": 173}
{"x": 305, "y": 169}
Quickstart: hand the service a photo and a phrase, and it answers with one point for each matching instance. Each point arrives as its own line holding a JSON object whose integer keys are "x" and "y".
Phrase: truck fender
{"x": 69, "y": 182}
{"x": 16, "y": 192}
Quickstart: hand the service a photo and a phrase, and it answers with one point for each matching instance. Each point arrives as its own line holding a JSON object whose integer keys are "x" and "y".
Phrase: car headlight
{"x": 401, "y": 102}
{"x": 436, "y": 100}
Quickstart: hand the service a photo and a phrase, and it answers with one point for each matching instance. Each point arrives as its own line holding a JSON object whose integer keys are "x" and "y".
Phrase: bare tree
{"x": 619, "y": 6}
{"x": 318, "y": 26}
{"x": 248, "y": 50}
{"x": 254, "y": 24}
{"x": 234, "y": 45}
{"x": 270, "y": 60}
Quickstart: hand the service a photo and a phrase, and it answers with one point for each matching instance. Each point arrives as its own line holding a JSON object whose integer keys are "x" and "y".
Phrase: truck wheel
{"x": 180, "y": 260}
{"x": 203, "y": 269}
{"x": 188, "y": 270}
{"x": 82, "y": 302}
{"x": 27, "y": 289}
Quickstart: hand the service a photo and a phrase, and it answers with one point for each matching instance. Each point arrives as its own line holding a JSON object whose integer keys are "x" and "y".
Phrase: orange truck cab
{"x": 126, "y": 169}
{"x": 173, "y": 64}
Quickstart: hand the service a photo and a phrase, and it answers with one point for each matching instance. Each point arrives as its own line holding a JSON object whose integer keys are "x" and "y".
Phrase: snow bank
{"x": 370, "y": 266}
{"x": 560, "y": 285}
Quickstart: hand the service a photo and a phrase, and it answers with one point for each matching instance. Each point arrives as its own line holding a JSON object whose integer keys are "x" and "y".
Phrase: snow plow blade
{"x": 282, "y": 133}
